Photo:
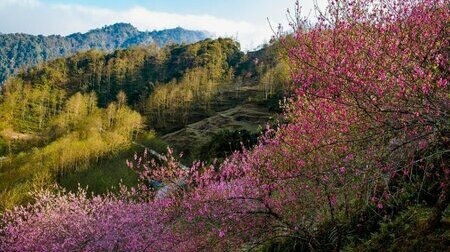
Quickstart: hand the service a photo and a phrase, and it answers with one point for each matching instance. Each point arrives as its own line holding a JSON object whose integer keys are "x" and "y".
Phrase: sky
{"x": 245, "y": 20}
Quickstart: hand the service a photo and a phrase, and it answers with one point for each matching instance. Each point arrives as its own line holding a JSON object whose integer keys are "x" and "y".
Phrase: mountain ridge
{"x": 21, "y": 50}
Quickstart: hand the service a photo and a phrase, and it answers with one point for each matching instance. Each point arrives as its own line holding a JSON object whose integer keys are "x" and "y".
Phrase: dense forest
{"x": 332, "y": 138}
{"x": 78, "y": 112}
{"x": 18, "y": 51}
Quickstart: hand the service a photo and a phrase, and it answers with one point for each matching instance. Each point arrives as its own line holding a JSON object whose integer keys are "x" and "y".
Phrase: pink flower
{"x": 379, "y": 205}
{"x": 442, "y": 83}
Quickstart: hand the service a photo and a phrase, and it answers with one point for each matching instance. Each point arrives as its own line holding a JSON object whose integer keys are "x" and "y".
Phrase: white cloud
{"x": 21, "y": 3}
{"x": 34, "y": 17}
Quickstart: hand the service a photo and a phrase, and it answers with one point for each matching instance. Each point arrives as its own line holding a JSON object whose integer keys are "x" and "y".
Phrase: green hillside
{"x": 74, "y": 120}
{"x": 18, "y": 51}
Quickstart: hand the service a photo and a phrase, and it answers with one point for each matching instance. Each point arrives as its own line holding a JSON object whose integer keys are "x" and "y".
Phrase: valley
{"x": 185, "y": 97}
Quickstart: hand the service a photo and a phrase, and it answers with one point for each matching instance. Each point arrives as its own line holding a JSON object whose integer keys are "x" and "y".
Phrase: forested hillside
{"x": 76, "y": 113}
{"x": 19, "y": 51}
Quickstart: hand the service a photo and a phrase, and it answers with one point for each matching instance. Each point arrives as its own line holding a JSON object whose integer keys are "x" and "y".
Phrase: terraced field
{"x": 248, "y": 117}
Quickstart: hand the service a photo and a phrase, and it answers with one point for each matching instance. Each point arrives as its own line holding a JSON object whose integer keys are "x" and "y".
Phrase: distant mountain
{"x": 22, "y": 50}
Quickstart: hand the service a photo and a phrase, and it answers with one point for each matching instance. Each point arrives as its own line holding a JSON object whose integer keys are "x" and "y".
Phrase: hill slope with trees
{"x": 18, "y": 51}
{"x": 95, "y": 105}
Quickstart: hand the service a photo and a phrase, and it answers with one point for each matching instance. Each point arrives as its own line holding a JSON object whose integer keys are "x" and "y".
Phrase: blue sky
{"x": 233, "y": 9}
{"x": 244, "y": 19}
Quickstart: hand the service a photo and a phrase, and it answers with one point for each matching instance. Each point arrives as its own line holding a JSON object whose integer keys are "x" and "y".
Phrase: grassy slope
{"x": 110, "y": 171}
{"x": 234, "y": 108}
{"x": 238, "y": 113}
{"x": 246, "y": 116}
